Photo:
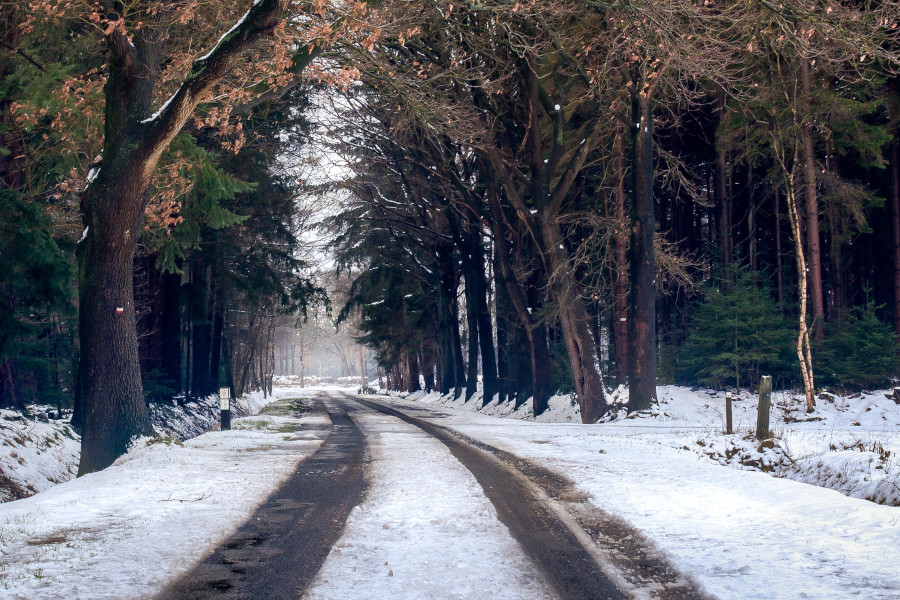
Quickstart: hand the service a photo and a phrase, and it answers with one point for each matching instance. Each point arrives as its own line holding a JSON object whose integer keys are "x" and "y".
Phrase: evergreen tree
{"x": 736, "y": 335}
{"x": 36, "y": 279}
{"x": 861, "y": 351}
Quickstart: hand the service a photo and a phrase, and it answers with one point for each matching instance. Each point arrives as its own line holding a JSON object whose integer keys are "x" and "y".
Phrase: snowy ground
{"x": 849, "y": 443}
{"x": 740, "y": 532}
{"x": 424, "y": 530}
{"x": 37, "y": 452}
{"x": 112, "y": 534}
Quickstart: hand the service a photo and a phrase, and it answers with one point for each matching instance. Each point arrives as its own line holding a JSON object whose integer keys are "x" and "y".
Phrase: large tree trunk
{"x": 813, "y": 244}
{"x": 112, "y": 397}
{"x": 642, "y": 377}
{"x": 535, "y": 334}
{"x": 581, "y": 348}
{"x": 113, "y": 207}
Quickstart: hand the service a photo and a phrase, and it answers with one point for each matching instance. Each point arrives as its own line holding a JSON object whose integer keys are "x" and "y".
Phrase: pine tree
{"x": 36, "y": 279}
{"x": 736, "y": 335}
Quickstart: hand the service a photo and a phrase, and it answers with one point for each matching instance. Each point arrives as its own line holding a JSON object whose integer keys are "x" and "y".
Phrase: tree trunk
{"x": 503, "y": 350}
{"x": 895, "y": 225}
{"x": 471, "y": 291}
{"x": 448, "y": 369}
{"x": 779, "y": 268}
{"x": 816, "y": 296}
{"x": 218, "y": 331}
{"x": 170, "y": 329}
{"x": 581, "y": 348}
{"x": 428, "y": 365}
{"x": 723, "y": 199}
{"x": 412, "y": 360}
{"x": 109, "y": 371}
{"x": 9, "y": 384}
{"x": 535, "y": 335}
{"x": 113, "y": 207}
{"x": 201, "y": 327}
{"x": 485, "y": 327}
{"x": 621, "y": 342}
{"x": 642, "y": 377}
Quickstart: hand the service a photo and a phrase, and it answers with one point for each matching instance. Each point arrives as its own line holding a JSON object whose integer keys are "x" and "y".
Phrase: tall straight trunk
{"x": 201, "y": 328}
{"x": 620, "y": 317}
{"x": 445, "y": 323}
{"x": 503, "y": 383}
{"x": 521, "y": 361}
{"x": 456, "y": 345}
{"x": 723, "y": 200}
{"x": 895, "y": 225}
{"x": 813, "y": 244}
{"x": 449, "y": 283}
{"x": 485, "y": 326}
{"x": 428, "y": 365}
{"x": 471, "y": 291}
{"x": 412, "y": 361}
{"x": 534, "y": 334}
{"x": 779, "y": 268}
{"x": 642, "y": 376}
{"x": 170, "y": 330}
{"x": 218, "y": 329}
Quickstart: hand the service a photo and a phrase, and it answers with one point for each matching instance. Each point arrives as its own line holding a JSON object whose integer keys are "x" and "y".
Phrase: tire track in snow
{"x": 568, "y": 566}
{"x": 599, "y": 548}
{"x": 425, "y": 529}
{"x": 278, "y": 551}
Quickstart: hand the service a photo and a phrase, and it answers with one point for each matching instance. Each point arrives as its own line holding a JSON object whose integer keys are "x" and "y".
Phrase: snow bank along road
{"x": 443, "y": 517}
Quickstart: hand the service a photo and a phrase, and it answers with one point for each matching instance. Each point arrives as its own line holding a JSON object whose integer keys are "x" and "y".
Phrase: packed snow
{"x": 424, "y": 530}
{"x": 39, "y": 452}
{"x": 849, "y": 443}
{"x": 738, "y": 531}
{"x": 127, "y": 531}
{"x": 707, "y": 500}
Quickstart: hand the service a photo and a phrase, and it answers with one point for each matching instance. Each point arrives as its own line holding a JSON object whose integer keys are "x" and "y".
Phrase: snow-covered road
{"x": 425, "y": 530}
{"x": 742, "y": 535}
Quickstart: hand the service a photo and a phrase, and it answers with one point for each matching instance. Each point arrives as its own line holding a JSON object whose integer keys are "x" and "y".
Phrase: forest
{"x": 519, "y": 198}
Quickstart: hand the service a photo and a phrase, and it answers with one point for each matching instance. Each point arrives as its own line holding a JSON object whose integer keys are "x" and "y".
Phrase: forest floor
{"x": 699, "y": 498}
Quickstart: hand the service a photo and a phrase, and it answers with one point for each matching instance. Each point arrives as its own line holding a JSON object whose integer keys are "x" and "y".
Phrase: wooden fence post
{"x": 728, "y": 399}
{"x": 765, "y": 402}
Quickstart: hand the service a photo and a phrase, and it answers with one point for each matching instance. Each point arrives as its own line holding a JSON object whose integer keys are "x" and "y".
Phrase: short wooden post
{"x": 765, "y": 402}
{"x": 728, "y": 399}
{"x": 225, "y": 407}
